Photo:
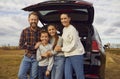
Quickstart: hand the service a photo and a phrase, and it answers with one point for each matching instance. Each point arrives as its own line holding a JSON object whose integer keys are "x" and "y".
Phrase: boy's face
{"x": 44, "y": 38}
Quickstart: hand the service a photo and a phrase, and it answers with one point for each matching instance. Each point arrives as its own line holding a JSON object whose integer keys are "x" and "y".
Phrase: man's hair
{"x": 33, "y": 13}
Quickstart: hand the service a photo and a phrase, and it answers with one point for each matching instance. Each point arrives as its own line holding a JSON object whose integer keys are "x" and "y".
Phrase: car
{"x": 82, "y": 14}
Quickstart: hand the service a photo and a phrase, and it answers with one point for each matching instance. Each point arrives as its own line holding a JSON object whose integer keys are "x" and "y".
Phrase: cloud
{"x": 116, "y": 24}
{"x": 109, "y": 31}
{"x": 100, "y": 20}
{"x": 12, "y": 6}
{"x": 107, "y": 17}
{"x": 13, "y": 19}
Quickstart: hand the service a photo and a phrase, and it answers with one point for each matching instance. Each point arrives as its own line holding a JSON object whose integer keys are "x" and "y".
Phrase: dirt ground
{"x": 113, "y": 64}
{"x": 10, "y": 61}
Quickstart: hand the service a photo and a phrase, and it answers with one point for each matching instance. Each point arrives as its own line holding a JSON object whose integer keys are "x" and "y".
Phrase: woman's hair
{"x": 56, "y": 35}
{"x": 66, "y": 14}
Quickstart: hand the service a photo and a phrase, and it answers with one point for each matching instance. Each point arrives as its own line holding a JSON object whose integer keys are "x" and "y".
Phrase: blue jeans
{"x": 41, "y": 72}
{"x": 58, "y": 67}
{"x": 28, "y": 65}
{"x": 76, "y": 63}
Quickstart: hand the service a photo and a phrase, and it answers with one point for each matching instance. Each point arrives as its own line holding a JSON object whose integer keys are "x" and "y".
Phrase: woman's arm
{"x": 71, "y": 41}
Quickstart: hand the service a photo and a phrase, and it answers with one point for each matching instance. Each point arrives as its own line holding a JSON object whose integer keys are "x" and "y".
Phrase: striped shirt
{"x": 29, "y": 38}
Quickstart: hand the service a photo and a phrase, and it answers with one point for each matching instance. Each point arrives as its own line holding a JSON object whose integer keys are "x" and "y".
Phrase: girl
{"x": 55, "y": 40}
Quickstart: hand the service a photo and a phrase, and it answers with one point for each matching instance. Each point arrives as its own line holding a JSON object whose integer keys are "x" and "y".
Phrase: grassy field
{"x": 10, "y": 61}
{"x": 113, "y": 64}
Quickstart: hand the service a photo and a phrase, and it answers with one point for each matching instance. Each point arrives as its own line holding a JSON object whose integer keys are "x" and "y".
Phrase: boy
{"x": 44, "y": 63}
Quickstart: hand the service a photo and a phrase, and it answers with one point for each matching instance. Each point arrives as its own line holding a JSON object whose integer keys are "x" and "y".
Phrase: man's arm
{"x": 22, "y": 43}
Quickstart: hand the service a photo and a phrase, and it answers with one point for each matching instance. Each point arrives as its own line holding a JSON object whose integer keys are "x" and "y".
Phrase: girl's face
{"x": 52, "y": 30}
{"x": 65, "y": 20}
{"x": 44, "y": 38}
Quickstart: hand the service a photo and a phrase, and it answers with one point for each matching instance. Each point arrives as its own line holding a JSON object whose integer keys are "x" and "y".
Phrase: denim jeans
{"x": 41, "y": 72}
{"x": 58, "y": 67}
{"x": 76, "y": 63}
{"x": 28, "y": 65}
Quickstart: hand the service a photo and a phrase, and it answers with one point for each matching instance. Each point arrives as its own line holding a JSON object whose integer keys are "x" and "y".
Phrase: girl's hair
{"x": 56, "y": 35}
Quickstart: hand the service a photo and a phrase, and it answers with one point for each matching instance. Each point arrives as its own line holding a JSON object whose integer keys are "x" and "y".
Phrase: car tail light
{"x": 91, "y": 76}
{"x": 95, "y": 47}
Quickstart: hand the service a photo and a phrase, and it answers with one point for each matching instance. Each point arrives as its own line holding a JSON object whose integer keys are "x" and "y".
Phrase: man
{"x": 29, "y": 37}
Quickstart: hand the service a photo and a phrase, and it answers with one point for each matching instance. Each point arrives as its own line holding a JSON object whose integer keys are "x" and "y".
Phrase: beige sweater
{"x": 71, "y": 42}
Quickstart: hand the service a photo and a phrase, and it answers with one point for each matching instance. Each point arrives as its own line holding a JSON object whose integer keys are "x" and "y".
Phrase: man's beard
{"x": 33, "y": 24}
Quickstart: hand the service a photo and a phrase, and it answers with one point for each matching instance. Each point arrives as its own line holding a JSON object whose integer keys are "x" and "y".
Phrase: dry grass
{"x": 10, "y": 61}
{"x": 113, "y": 64}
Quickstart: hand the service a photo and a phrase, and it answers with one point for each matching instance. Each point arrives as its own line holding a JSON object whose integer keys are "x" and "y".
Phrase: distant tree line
{"x": 111, "y": 45}
{"x": 8, "y": 47}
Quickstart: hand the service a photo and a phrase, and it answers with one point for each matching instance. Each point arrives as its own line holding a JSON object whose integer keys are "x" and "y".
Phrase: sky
{"x": 13, "y": 20}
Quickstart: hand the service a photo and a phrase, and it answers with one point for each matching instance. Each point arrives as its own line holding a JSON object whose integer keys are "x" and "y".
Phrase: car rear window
{"x": 53, "y": 15}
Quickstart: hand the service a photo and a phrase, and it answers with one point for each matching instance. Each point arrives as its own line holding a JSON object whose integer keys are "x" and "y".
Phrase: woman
{"x": 72, "y": 48}
{"x": 55, "y": 40}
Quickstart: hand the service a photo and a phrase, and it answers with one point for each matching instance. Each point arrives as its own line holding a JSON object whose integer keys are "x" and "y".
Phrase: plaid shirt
{"x": 29, "y": 38}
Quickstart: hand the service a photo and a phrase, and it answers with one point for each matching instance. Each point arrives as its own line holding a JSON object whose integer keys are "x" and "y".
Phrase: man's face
{"x": 33, "y": 20}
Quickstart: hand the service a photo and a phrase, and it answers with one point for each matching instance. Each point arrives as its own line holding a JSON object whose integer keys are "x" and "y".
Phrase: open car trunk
{"x": 81, "y": 16}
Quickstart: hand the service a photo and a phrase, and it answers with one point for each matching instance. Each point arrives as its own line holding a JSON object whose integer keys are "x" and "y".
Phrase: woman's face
{"x": 52, "y": 30}
{"x": 65, "y": 20}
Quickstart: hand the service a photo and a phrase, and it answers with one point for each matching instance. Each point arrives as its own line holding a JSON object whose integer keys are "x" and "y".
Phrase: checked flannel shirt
{"x": 28, "y": 39}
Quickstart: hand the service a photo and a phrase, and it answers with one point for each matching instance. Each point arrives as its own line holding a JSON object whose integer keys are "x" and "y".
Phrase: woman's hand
{"x": 57, "y": 48}
{"x": 44, "y": 55}
{"x": 47, "y": 54}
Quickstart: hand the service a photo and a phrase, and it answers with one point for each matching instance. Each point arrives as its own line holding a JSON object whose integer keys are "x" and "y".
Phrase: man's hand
{"x": 37, "y": 45}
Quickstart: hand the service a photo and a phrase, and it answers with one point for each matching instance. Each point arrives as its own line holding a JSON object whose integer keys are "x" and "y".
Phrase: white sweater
{"x": 45, "y": 61}
{"x": 71, "y": 42}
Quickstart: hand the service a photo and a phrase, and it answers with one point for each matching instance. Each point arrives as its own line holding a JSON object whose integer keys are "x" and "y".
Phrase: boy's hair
{"x": 44, "y": 31}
